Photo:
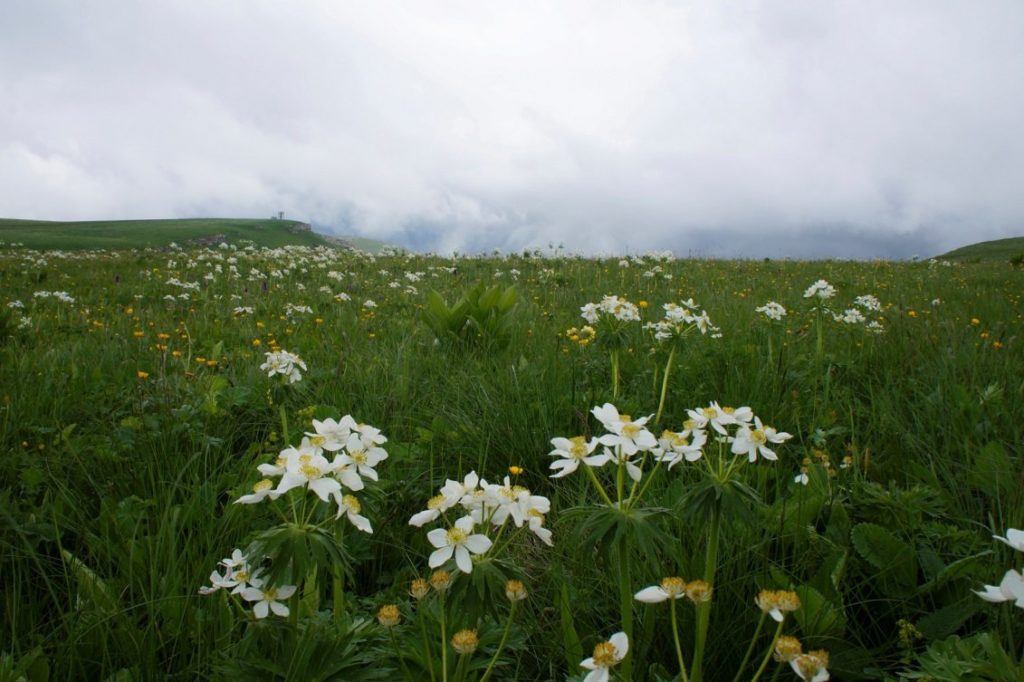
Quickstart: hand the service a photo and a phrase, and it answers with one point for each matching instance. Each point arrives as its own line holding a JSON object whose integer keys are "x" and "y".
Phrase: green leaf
{"x": 993, "y": 471}
{"x": 894, "y": 558}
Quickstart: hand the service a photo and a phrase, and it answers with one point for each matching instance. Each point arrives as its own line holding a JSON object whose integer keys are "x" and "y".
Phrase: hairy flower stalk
{"x": 516, "y": 593}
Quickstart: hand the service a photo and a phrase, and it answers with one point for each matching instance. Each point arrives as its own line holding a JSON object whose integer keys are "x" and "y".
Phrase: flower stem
{"x": 501, "y": 645}
{"x": 768, "y": 654}
{"x": 626, "y": 605}
{"x": 338, "y": 580}
{"x": 444, "y": 643}
{"x": 664, "y": 385}
{"x": 429, "y": 657}
{"x": 675, "y": 639}
{"x": 615, "y": 373}
{"x": 398, "y": 655}
{"x": 284, "y": 424}
{"x": 750, "y": 649}
{"x": 597, "y": 484}
{"x": 704, "y": 610}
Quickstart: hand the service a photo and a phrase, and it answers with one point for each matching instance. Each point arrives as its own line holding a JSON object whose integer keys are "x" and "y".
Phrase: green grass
{"x": 996, "y": 250}
{"x": 117, "y": 488}
{"x": 126, "y": 234}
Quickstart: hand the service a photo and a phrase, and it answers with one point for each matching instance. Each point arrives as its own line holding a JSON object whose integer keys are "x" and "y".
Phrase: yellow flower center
{"x": 318, "y": 441}
{"x": 631, "y": 430}
{"x": 389, "y": 615}
{"x": 419, "y": 588}
{"x": 673, "y": 586}
{"x": 359, "y": 456}
{"x": 578, "y": 449}
{"x": 605, "y": 655}
{"x": 265, "y": 484}
{"x": 465, "y": 641}
{"x": 352, "y": 503}
{"x": 440, "y": 580}
{"x": 435, "y": 502}
{"x": 710, "y": 412}
{"x": 309, "y": 471}
{"x": 757, "y": 436}
{"x": 456, "y": 536}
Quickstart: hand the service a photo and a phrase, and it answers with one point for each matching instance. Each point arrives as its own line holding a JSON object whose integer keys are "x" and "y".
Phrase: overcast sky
{"x": 802, "y": 128}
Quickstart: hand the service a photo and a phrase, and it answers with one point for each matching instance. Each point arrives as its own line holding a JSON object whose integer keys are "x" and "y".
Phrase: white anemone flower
{"x": 1011, "y": 588}
{"x": 306, "y": 470}
{"x": 285, "y": 364}
{"x": 719, "y": 417}
{"x": 670, "y": 588}
{"x": 267, "y": 599}
{"x": 331, "y": 435}
{"x": 677, "y": 446}
{"x": 459, "y": 540}
{"x": 606, "y": 655}
{"x": 262, "y": 490}
{"x": 1014, "y": 538}
{"x": 572, "y": 451}
{"x": 362, "y": 456}
{"x": 753, "y": 441}
{"x": 349, "y": 505}
{"x": 626, "y": 434}
{"x": 435, "y": 506}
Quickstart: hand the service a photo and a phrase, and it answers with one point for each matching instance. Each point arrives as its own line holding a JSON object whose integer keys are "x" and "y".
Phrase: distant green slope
{"x": 126, "y": 234}
{"x": 999, "y": 249}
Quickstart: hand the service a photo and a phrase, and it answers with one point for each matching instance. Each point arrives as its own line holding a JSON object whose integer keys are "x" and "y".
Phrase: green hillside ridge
{"x": 128, "y": 234}
{"x": 996, "y": 250}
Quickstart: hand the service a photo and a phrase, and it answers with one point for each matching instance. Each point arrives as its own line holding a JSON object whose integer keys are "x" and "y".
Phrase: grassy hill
{"x": 996, "y": 250}
{"x": 125, "y": 234}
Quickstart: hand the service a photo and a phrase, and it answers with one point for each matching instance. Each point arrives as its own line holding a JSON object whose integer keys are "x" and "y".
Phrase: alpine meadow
{"x": 302, "y": 462}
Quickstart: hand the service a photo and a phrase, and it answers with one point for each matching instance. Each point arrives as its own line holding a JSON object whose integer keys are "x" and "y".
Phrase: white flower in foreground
{"x": 306, "y": 470}
{"x": 267, "y": 600}
{"x": 459, "y": 541}
{"x": 670, "y": 588}
{"x": 349, "y": 505}
{"x": 752, "y": 441}
{"x": 1014, "y": 538}
{"x": 719, "y": 417}
{"x": 820, "y": 289}
{"x": 284, "y": 363}
{"x": 572, "y": 451}
{"x": 1011, "y": 588}
{"x": 361, "y": 455}
{"x": 334, "y": 434}
{"x": 627, "y": 434}
{"x": 677, "y": 446}
{"x": 262, "y": 490}
{"x": 811, "y": 666}
{"x": 606, "y": 655}
{"x": 802, "y": 478}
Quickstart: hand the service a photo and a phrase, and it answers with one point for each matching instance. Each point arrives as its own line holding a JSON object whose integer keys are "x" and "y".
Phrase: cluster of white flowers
{"x": 680, "y": 319}
{"x": 612, "y": 306}
{"x": 241, "y": 579}
{"x": 820, "y": 289}
{"x": 772, "y": 310}
{"x": 487, "y": 505}
{"x": 290, "y": 309}
{"x": 868, "y": 302}
{"x": 1011, "y": 587}
{"x": 850, "y": 316}
{"x": 243, "y": 310}
{"x": 62, "y": 296}
{"x": 626, "y": 437}
{"x": 285, "y": 364}
{"x": 356, "y": 449}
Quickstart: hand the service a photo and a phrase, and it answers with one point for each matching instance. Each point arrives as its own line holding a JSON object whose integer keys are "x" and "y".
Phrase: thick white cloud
{"x": 749, "y": 128}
